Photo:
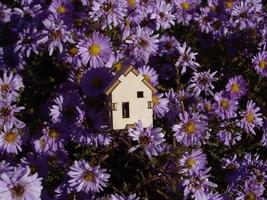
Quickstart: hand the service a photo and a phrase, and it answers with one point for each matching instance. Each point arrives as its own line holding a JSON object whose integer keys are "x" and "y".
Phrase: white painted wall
{"x": 126, "y": 91}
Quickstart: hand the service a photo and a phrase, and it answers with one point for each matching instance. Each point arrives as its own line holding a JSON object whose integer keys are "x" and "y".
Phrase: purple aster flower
{"x": 119, "y": 197}
{"x": 167, "y": 45}
{"x": 192, "y": 130}
{"x": 20, "y": 185}
{"x": 148, "y": 138}
{"x": 229, "y": 133}
{"x": 55, "y": 34}
{"x": 52, "y": 139}
{"x": 142, "y": 43}
{"x": 87, "y": 178}
{"x": 186, "y": 58}
{"x": 60, "y": 7}
{"x": 244, "y": 16}
{"x": 252, "y": 168}
{"x": 28, "y": 11}
{"x": 260, "y": 63}
{"x": 10, "y": 140}
{"x": 250, "y": 190}
{"x": 8, "y": 115}
{"x": 94, "y": 81}
{"x": 149, "y": 74}
{"x": 203, "y": 20}
{"x": 197, "y": 184}
{"x": 5, "y": 13}
{"x": 162, "y": 14}
{"x": 193, "y": 161}
{"x": 160, "y": 105}
{"x": 251, "y": 118}
{"x": 225, "y": 106}
{"x": 27, "y": 42}
{"x": 202, "y": 82}
{"x": 185, "y": 10}
{"x": 111, "y": 12}
{"x": 71, "y": 56}
{"x": 96, "y": 51}
{"x": 40, "y": 145}
{"x": 64, "y": 108}
{"x": 237, "y": 87}
{"x": 206, "y": 106}
{"x": 10, "y": 86}
{"x": 218, "y": 27}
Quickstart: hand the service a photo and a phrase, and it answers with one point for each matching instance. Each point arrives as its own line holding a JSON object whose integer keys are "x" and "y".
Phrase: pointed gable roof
{"x": 124, "y": 72}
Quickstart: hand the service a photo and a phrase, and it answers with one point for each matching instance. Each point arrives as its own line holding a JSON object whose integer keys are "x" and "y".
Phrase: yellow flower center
{"x": 89, "y": 176}
{"x": 249, "y": 117}
{"x": 190, "y": 127}
{"x": 94, "y": 49}
{"x": 262, "y": 64}
{"x": 5, "y": 88}
{"x": 144, "y": 140}
{"x": 61, "y": 9}
{"x": 235, "y": 88}
{"x": 10, "y": 137}
{"x": 5, "y": 112}
{"x": 155, "y": 100}
{"x": 144, "y": 43}
{"x": 131, "y": 3}
{"x": 53, "y": 134}
{"x": 56, "y": 34}
{"x": 208, "y": 107}
{"x": 250, "y": 196}
{"x": 185, "y": 5}
{"x": 190, "y": 162}
{"x": 229, "y": 4}
{"x": 117, "y": 66}
{"x": 147, "y": 77}
{"x": 17, "y": 191}
{"x": 73, "y": 51}
{"x": 224, "y": 103}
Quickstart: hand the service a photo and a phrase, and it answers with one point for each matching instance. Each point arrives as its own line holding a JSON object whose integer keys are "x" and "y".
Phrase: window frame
{"x": 125, "y": 109}
{"x": 140, "y": 94}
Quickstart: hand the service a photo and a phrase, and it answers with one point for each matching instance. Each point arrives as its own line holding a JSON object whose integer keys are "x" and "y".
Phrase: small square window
{"x": 150, "y": 104}
{"x": 140, "y": 94}
{"x": 114, "y": 106}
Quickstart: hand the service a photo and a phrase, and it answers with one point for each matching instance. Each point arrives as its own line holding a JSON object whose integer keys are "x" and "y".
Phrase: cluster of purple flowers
{"x": 200, "y": 111}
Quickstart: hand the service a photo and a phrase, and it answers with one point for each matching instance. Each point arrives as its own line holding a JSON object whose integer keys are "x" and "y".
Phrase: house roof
{"x": 125, "y": 71}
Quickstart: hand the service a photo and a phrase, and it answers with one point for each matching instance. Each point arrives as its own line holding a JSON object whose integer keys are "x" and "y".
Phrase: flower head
{"x": 186, "y": 58}
{"x": 87, "y": 178}
{"x": 225, "y": 106}
{"x": 149, "y": 74}
{"x": 251, "y": 117}
{"x": 260, "y": 63}
{"x": 10, "y": 86}
{"x": 202, "y": 82}
{"x": 192, "y": 129}
{"x": 237, "y": 87}
{"x": 20, "y": 185}
{"x": 95, "y": 51}
{"x": 149, "y": 139}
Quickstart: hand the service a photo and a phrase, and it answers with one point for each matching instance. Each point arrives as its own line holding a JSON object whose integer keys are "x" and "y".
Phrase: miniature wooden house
{"x": 129, "y": 98}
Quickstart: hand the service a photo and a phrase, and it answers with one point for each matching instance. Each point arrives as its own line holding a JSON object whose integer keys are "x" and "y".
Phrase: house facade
{"x": 129, "y": 99}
